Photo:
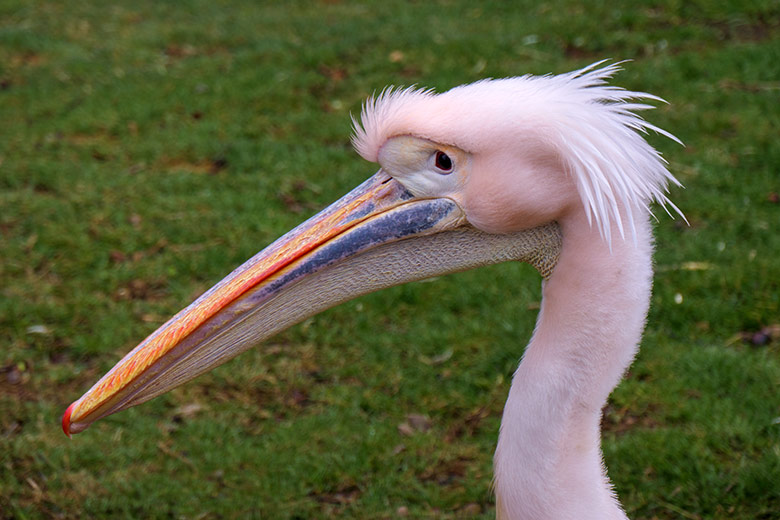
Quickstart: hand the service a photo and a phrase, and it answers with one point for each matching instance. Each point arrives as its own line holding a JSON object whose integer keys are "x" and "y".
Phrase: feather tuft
{"x": 593, "y": 126}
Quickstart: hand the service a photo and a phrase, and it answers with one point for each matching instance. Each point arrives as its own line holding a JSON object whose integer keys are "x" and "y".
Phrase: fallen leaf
{"x": 418, "y": 422}
{"x": 396, "y": 56}
{"x": 117, "y": 256}
{"x": 696, "y": 266}
{"x": 38, "y": 329}
{"x": 187, "y": 411}
{"x": 405, "y": 429}
{"x": 437, "y": 359}
{"x": 471, "y": 509}
{"x": 136, "y": 220}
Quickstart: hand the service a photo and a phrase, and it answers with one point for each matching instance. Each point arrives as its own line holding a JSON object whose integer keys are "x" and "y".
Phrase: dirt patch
{"x": 469, "y": 424}
{"x": 619, "y": 420}
{"x": 343, "y": 494}
{"x": 203, "y": 166}
{"x": 753, "y": 31}
{"x": 446, "y": 472}
{"x": 139, "y": 289}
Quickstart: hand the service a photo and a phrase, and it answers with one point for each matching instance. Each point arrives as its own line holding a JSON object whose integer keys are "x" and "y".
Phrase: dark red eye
{"x": 443, "y": 162}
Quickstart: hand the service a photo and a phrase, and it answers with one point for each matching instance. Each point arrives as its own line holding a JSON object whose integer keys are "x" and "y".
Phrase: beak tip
{"x": 66, "y": 420}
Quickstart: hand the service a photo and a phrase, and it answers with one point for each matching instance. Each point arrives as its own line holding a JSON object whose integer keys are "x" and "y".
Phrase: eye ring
{"x": 443, "y": 162}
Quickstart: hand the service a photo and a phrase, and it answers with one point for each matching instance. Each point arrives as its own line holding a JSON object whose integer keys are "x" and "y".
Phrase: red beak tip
{"x": 66, "y": 420}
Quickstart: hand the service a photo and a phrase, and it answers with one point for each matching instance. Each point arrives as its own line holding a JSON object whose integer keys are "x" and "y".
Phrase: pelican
{"x": 553, "y": 171}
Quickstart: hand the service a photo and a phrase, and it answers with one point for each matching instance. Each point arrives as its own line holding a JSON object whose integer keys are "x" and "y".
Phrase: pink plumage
{"x": 591, "y": 125}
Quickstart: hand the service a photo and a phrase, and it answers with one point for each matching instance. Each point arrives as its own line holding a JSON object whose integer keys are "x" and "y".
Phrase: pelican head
{"x": 550, "y": 170}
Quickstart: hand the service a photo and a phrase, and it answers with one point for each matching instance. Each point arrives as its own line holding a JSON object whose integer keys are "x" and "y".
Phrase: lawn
{"x": 148, "y": 148}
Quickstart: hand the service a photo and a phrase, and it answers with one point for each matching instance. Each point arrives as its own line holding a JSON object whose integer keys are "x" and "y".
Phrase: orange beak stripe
{"x": 374, "y": 196}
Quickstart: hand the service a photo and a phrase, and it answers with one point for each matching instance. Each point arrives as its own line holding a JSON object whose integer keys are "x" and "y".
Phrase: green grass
{"x": 148, "y": 148}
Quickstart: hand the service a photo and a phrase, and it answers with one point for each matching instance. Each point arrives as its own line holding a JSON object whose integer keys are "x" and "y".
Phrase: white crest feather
{"x": 594, "y": 127}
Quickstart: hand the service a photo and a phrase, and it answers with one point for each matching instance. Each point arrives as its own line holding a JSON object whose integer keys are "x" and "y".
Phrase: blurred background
{"x": 148, "y": 148}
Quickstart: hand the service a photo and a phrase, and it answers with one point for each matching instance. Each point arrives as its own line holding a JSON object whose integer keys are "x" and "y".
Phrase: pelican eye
{"x": 443, "y": 162}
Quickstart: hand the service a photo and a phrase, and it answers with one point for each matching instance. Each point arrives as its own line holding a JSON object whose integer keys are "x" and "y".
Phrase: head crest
{"x": 593, "y": 127}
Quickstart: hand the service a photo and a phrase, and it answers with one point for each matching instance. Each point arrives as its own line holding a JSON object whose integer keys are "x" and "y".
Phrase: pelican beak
{"x": 376, "y": 236}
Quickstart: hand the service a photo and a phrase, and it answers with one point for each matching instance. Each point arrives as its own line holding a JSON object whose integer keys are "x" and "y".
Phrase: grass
{"x": 146, "y": 149}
